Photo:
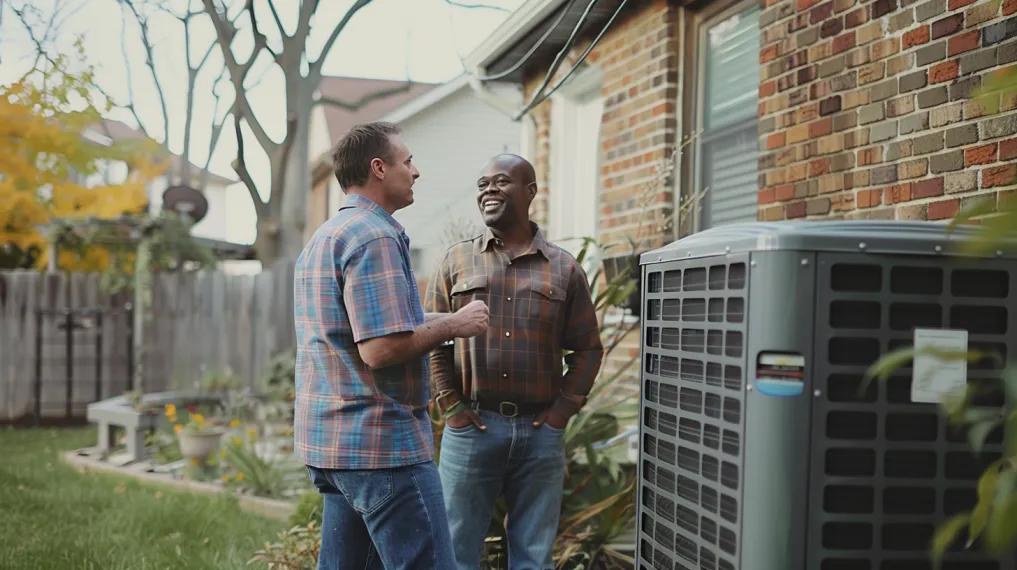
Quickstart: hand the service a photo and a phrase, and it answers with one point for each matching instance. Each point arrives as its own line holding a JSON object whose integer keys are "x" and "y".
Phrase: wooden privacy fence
{"x": 64, "y": 343}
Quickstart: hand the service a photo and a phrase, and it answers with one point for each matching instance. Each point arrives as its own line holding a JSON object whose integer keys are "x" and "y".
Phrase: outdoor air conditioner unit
{"x": 759, "y": 447}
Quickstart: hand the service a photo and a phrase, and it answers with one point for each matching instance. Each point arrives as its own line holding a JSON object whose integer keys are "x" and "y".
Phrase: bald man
{"x": 507, "y": 395}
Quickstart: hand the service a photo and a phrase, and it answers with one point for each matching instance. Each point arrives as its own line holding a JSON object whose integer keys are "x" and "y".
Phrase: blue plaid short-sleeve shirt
{"x": 353, "y": 282}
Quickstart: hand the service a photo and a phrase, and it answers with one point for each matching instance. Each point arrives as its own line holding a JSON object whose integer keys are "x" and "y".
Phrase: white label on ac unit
{"x": 939, "y": 366}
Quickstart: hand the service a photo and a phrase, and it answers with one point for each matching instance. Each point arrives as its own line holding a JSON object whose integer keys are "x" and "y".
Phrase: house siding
{"x": 451, "y": 141}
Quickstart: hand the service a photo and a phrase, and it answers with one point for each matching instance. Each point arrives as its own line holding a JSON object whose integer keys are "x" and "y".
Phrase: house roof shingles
{"x": 118, "y": 131}
{"x": 352, "y": 89}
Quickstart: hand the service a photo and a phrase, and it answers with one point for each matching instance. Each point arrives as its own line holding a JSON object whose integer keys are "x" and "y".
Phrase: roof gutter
{"x": 518, "y": 24}
{"x": 513, "y": 29}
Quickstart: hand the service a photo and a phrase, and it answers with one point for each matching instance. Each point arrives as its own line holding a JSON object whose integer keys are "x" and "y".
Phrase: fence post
{"x": 129, "y": 310}
{"x": 69, "y": 337}
{"x": 38, "y": 366}
{"x": 98, "y": 355}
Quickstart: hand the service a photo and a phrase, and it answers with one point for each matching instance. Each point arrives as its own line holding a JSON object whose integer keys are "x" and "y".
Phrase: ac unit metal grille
{"x": 885, "y": 471}
{"x": 692, "y": 419}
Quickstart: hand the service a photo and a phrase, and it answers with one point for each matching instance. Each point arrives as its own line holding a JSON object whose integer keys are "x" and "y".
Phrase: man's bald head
{"x": 515, "y": 164}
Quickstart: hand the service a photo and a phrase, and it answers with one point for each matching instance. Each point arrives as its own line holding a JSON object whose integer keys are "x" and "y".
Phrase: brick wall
{"x": 639, "y": 62}
{"x": 866, "y": 108}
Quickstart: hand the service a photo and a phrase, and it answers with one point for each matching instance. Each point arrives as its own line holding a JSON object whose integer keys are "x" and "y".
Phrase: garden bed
{"x": 85, "y": 460}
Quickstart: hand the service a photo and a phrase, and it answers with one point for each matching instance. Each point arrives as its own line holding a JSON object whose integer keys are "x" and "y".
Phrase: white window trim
{"x": 565, "y": 105}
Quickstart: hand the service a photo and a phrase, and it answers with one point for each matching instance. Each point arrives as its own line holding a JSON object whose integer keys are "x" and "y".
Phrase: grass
{"x": 52, "y": 517}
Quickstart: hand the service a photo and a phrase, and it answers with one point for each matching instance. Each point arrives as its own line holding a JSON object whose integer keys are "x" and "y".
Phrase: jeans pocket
{"x": 366, "y": 490}
{"x": 320, "y": 480}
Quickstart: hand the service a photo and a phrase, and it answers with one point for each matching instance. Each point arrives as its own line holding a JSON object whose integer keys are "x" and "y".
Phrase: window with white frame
{"x": 726, "y": 127}
{"x": 576, "y": 112}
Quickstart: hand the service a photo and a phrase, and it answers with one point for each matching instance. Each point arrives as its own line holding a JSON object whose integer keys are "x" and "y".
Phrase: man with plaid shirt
{"x": 504, "y": 394}
{"x": 361, "y": 421}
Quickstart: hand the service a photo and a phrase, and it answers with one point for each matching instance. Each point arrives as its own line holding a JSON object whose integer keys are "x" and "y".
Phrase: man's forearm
{"x": 443, "y": 376}
{"x": 583, "y": 366}
{"x": 397, "y": 348}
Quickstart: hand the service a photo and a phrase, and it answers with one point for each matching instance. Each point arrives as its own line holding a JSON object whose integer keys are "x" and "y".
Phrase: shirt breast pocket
{"x": 547, "y": 302}
{"x": 468, "y": 289}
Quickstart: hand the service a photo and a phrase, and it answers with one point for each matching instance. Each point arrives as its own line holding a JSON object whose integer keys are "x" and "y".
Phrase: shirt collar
{"x": 359, "y": 201}
{"x": 539, "y": 244}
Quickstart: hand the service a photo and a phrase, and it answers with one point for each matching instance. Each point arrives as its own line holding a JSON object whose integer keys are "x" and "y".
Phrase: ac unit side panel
{"x": 779, "y": 405}
{"x": 691, "y": 472}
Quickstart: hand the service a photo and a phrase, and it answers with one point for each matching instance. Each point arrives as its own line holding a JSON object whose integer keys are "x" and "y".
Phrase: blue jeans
{"x": 383, "y": 518}
{"x": 526, "y": 465}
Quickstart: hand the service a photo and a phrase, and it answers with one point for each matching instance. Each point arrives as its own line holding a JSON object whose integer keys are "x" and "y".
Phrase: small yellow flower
{"x": 178, "y": 428}
{"x": 240, "y": 476}
{"x": 237, "y": 441}
{"x": 198, "y": 419}
{"x": 234, "y": 423}
{"x": 251, "y": 432}
{"x": 171, "y": 410}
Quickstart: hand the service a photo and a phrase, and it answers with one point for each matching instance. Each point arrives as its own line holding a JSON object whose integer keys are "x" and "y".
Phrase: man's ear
{"x": 531, "y": 188}
{"x": 378, "y": 168}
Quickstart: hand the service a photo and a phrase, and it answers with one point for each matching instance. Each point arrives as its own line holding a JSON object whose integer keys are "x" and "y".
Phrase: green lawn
{"x": 52, "y": 517}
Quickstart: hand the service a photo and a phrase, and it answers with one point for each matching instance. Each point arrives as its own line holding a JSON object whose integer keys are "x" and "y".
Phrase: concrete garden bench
{"x": 136, "y": 419}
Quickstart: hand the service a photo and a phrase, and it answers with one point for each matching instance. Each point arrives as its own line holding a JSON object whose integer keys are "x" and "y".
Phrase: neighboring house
{"x": 330, "y": 122}
{"x": 792, "y": 109}
{"x": 452, "y": 133}
{"x": 215, "y": 225}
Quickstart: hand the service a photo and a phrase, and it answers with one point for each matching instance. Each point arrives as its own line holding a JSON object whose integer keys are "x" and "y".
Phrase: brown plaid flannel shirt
{"x": 540, "y": 305}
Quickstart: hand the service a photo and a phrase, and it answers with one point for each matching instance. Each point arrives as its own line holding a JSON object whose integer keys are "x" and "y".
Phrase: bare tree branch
{"x": 240, "y": 166}
{"x": 260, "y": 40}
{"x": 299, "y": 38}
{"x": 316, "y": 65}
{"x": 259, "y": 79}
{"x": 213, "y": 142}
{"x": 130, "y": 76}
{"x": 225, "y": 31}
{"x": 355, "y": 105}
{"x": 278, "y": 20}
{"x": 474, "y": 6}
{"x": 39, "y": 42}
{"x": 146, "y": 41}
{"x": 208, "y": 51}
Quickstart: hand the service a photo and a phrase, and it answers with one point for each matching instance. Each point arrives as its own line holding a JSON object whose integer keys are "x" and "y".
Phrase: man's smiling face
{"x": 504, "y": 192}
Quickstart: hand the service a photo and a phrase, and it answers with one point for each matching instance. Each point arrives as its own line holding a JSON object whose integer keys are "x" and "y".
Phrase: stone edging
{"x": 271, "y": 508}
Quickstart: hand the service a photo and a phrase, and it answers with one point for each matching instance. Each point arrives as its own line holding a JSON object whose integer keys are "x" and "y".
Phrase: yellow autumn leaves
{"x": 50, "y": 170}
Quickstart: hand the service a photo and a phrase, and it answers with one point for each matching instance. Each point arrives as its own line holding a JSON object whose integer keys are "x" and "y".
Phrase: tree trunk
{"x": 297, "y": 177}
{"x": 266, "y": 244}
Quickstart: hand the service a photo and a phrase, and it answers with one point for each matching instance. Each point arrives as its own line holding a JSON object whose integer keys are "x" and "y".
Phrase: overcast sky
{"x": 389, "y": 39}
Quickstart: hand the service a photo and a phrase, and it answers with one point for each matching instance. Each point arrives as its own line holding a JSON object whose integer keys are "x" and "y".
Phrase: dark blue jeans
{"x": 511, "y": 458}
{"x": 383, "y": 518}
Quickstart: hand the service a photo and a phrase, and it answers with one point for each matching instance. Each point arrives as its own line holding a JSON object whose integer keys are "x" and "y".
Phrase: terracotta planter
{"x": 200, "y": 445}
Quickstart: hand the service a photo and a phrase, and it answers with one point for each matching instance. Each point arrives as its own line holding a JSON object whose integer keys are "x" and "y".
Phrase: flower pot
{"x": 199, "y": 445}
